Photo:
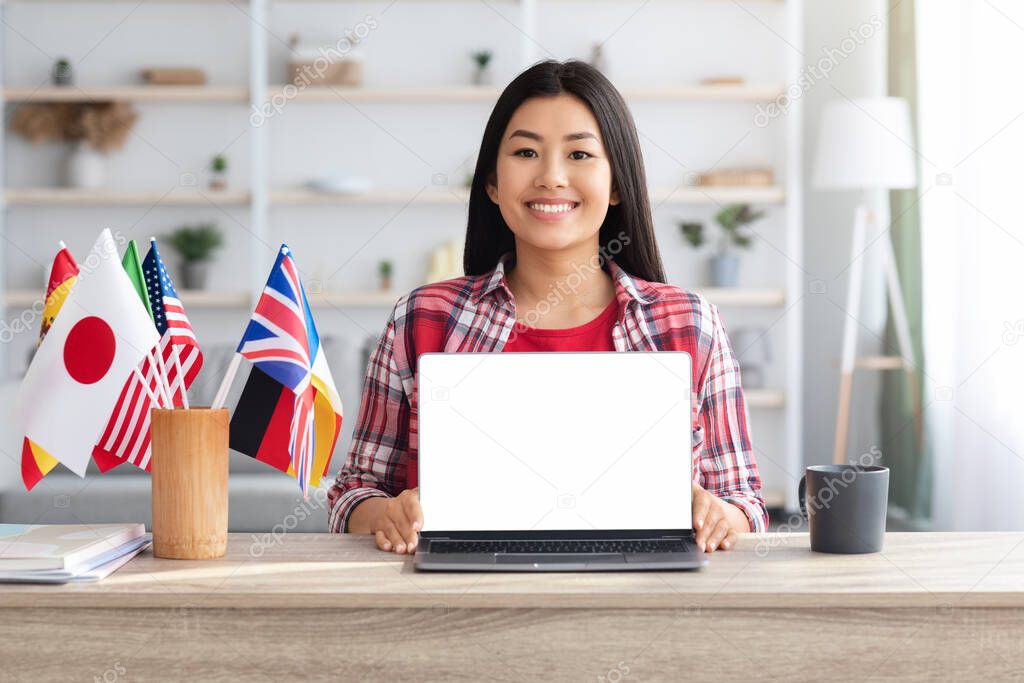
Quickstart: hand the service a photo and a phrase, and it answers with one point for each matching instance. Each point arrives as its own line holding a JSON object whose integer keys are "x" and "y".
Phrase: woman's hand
{"x": 399, "y": 521}
{"x": 716, "y": 521}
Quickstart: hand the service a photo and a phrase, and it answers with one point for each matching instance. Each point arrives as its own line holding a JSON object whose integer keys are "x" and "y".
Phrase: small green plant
{"x": 693, "y": 233}
{"x": 384, "y": 270}
{"x": 734, "y": 220}
{"x": 196, "y": 242}
{"x": 482, "y": 58}
{"x": 219, "y": 164}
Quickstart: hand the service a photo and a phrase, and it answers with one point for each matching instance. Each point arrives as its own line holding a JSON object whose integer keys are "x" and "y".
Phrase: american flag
{"x": 127, "y": 433}
{"x": 282, "y": 341}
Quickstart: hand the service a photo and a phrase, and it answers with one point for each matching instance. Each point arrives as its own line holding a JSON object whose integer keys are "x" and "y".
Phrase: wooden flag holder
{"x": 190, "y": 483}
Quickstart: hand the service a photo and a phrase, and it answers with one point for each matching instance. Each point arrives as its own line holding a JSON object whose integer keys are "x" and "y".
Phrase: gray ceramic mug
{"x": 845, "y": 507}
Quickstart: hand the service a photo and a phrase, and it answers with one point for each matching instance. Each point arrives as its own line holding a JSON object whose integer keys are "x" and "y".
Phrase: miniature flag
{"x": 98, "y": 340}
{"x": 127, "y": 435}
{"x": 291, "y": 413}
{"x": 36, "y": 463}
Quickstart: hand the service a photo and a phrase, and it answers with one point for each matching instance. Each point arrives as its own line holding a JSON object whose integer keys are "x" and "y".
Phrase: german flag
{"x": 261, "y": 425}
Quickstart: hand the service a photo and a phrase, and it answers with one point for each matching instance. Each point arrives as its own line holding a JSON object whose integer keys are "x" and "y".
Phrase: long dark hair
{"x": 487, "y": 234}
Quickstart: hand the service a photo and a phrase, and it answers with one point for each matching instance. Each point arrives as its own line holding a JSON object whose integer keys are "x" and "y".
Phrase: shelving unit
{"x": 260, "y": 198}
{"x": 133, "y": 93}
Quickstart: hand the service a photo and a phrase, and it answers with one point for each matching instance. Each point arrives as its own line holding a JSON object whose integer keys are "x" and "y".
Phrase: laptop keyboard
{"x": 654, "y": 545}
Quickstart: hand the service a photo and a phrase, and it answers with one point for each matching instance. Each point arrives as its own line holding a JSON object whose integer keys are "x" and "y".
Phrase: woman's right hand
{"x": 399, "y": 521}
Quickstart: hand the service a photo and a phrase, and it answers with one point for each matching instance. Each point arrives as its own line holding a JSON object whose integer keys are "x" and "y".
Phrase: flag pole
{"x": 181, "y": 380}
{"x": 145, "y": 385}
{"x": 161, "y": 376}
{"x": 229, "y": 377}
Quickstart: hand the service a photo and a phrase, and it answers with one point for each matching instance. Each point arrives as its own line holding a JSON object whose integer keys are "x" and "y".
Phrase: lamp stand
{"x": 905, "y": 361}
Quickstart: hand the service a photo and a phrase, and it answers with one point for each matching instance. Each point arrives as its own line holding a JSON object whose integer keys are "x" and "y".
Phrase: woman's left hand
{"x": 716, "y": 521}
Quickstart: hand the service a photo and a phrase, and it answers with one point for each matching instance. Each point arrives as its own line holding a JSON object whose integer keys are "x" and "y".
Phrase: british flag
{"x": 126, "y": 436}
{"x": 282, "y": 341}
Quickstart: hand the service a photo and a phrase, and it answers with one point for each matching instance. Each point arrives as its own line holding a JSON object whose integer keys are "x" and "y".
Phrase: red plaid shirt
{"x": 476, "y": 314}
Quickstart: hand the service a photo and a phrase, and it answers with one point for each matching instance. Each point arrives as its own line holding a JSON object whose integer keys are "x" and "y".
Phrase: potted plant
{"x": 384, "y": 268}
{"x": 95, "y": 128}
{"x": 734, "y": 220}
{"x": 482, "y": 75}
{"x": 195, "y": 244}
{"x": 218, "y": 173}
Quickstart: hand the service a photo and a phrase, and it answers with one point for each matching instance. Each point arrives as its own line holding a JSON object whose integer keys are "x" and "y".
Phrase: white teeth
{"x": 552, "y": 208}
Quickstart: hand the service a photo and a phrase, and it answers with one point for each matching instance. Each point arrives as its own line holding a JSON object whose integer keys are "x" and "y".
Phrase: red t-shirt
{"x": 595, "y": 335}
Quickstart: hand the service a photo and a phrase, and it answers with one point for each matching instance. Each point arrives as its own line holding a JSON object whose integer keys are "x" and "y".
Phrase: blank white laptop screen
{"x": 555, "y": 441}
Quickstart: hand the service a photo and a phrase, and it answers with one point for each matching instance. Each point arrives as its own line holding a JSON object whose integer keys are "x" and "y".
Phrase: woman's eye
{"x": 587, "y": 155}
{"x": 522, "y": 151}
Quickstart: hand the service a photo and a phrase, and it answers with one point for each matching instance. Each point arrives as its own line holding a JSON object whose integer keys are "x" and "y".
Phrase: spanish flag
{"x": 36, "y": 462}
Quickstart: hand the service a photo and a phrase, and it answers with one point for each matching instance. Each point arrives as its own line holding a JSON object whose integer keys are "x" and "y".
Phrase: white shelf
{"x": 133, "y": 93}
{"x": 489, "y": 94}
{"x": 339, "y": 93}
{"x": 460, "y": 196}
{"x": 178, "y": 196}
{"x": 197, "y": 299}
{"x": 299, "y": 197}
{"x": 46, "y": 196}
{"x": 383, "y": 298}
{"x": 744, "y": 297}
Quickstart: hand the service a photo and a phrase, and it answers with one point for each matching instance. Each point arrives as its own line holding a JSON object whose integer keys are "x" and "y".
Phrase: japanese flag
{"x": 101, "y": 335}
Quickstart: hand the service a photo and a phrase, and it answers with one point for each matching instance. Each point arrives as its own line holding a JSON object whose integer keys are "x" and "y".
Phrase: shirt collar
{"x": 627, "y": 287}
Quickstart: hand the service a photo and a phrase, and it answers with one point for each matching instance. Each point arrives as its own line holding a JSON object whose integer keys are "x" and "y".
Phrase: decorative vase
{"x": 193, "y": 274}
{"x": 483, "y": 76}
{"x": 85, "y": 167}
{"x": 725, "y": 270}
{"x": 63, "y": 74}
{"x": 218, "y": 181}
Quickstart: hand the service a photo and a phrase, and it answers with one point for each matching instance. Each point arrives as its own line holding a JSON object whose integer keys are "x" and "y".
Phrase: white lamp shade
{"x": 865, "y": 143}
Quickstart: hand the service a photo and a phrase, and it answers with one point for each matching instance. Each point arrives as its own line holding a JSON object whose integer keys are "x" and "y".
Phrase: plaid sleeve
{"x": 375, "y": 466}
{"x": 727, "y": 467}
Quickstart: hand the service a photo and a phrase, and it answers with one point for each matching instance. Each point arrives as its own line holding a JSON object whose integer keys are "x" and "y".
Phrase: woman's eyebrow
{"x": 534, "y": 136}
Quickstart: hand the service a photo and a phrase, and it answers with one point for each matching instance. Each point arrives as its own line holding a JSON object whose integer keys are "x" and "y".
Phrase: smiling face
{"x": 553, "y": 177}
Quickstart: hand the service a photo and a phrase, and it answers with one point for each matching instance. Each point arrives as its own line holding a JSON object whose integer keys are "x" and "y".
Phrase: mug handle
{"x": 801, "y": 494}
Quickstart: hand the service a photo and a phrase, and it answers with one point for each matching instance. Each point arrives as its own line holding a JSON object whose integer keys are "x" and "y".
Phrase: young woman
{"x": 560, "y": 255}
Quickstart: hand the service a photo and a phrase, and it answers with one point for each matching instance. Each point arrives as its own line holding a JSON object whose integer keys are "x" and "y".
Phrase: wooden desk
{"x": 317, "y": 606}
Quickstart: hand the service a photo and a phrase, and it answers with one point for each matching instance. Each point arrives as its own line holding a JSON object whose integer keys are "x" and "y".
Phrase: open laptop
{"x": 555, "y": 461}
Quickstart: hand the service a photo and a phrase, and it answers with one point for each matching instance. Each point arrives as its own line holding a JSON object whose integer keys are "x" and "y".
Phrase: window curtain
{"x": 901, "y": 424}
{"x": 971, "y": 116}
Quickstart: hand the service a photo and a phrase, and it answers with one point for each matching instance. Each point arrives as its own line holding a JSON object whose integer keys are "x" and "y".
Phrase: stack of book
{"x": 63, "y": 553}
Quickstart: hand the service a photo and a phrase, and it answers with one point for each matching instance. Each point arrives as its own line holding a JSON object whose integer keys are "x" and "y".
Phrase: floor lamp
{"x": 866, "y": 144}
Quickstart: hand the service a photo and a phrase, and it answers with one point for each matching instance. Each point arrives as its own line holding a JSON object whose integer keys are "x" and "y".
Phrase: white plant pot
{"x": 86, "y": 167}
